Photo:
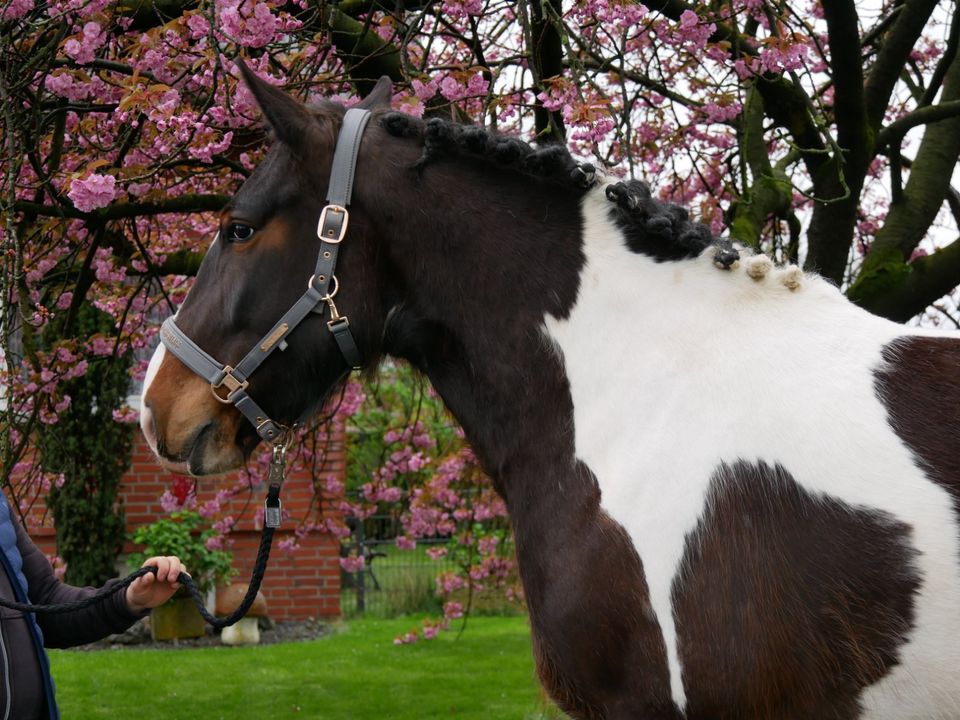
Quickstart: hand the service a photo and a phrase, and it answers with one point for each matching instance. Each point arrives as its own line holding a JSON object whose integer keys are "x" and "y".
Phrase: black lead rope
{"x": 270, "y": 524}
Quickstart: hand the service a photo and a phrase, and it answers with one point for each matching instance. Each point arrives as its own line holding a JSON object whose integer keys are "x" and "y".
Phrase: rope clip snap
{"x": 272, "y": 507}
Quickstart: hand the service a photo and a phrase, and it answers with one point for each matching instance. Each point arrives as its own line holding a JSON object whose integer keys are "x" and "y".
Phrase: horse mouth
{"x": 205, "y": 453}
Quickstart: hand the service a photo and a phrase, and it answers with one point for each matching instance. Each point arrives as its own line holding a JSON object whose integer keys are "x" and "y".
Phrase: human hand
{"x": 152, "y": 590}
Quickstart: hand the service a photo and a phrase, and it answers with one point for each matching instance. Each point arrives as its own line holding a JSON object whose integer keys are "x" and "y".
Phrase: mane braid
{"x": 663, "y": 230}
{"x": 441, "y": 138}
{"x": 658, "y": 229}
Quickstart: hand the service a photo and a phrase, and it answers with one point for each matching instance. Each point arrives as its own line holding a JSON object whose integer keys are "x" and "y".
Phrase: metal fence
{"x": 393, "y": 581}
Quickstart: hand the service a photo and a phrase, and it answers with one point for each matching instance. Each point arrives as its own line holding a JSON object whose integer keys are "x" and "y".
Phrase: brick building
{"x": 298, "y": 585}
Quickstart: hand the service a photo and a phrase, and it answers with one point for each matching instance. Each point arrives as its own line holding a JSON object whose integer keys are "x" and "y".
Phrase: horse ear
{"x": 290, "y": 120}
{"x": 380, "y": 95}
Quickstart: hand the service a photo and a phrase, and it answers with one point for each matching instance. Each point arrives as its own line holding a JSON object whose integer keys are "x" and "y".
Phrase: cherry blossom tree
{"x": 823, "y": 133}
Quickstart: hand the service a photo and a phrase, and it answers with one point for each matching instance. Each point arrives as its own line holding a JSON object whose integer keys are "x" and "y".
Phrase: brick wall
{"x": 297, "y": 585}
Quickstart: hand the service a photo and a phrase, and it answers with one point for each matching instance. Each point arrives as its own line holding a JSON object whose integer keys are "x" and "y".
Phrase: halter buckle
{"x": 232, "y": 384}
{"x": 331, "y": 235}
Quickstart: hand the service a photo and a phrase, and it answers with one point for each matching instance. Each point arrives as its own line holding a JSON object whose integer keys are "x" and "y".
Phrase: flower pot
{"x": 175, "y": 619}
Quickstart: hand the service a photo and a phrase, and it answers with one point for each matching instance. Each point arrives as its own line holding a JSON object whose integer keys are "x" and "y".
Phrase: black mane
{"x": 652, "y": 227}
{"x": 442, "y": 138}
{"x": 663, "y": 230}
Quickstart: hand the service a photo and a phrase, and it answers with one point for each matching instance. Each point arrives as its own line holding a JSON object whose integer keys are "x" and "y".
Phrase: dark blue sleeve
{"x": 112, "y": 615}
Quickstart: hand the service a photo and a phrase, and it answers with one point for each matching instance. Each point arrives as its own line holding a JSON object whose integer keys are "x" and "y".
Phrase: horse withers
{"x": 734, "y": 494}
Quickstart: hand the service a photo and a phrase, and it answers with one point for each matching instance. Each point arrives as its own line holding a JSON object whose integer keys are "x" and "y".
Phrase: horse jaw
{"x": 183, "y": 424}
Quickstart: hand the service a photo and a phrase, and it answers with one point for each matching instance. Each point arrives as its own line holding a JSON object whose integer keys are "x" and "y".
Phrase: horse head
{"x": 259, "y": 264}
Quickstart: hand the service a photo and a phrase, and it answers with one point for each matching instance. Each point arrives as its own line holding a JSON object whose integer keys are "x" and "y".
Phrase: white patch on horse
{"x": 146, "y": 416}
{"x": 675, "y": 367}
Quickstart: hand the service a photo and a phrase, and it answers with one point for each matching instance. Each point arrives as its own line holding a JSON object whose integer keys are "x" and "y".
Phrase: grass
{"x": 355, "y": 673}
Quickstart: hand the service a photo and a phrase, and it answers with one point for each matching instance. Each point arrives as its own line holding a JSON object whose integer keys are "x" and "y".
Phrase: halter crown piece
{"x": 322, "y": 287}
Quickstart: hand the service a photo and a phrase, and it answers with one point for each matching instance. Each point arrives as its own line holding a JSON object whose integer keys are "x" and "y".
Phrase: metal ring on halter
{"x": 336, "y": 286}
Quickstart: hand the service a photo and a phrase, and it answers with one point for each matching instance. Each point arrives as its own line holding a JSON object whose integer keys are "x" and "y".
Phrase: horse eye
{"x": 239, "y": 232}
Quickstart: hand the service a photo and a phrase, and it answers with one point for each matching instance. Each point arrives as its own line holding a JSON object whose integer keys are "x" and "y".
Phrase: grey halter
{"x": 322, "y": 287}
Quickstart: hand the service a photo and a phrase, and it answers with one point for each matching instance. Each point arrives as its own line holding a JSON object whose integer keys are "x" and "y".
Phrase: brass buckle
{"x": 232, "y": 384}
{"x": 343, "y": 227}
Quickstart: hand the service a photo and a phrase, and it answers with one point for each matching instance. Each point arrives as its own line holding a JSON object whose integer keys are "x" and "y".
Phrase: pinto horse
{"x": 734, "y": 493}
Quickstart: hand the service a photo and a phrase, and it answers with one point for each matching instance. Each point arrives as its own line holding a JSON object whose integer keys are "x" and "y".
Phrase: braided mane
{"x": 441, "y": 138}
{"x": 652, "y": 227}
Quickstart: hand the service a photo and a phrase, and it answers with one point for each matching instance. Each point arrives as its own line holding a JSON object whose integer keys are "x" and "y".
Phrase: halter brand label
{"x": 169, "y": 337}
{"x": 273, "y": 337}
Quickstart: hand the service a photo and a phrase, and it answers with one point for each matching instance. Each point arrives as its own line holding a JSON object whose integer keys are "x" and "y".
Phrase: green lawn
{"x": 354, "y": 674}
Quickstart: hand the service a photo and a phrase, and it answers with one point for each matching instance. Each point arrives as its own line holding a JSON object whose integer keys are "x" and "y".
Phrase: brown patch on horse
{"x": 788, "y": 603}
{"x": 919, "y": 384}
{"x": 183, "y": 405}
{"x": 598, "y": 646}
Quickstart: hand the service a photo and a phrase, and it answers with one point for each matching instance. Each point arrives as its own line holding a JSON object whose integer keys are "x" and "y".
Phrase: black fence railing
{"x": 393, "y": 581}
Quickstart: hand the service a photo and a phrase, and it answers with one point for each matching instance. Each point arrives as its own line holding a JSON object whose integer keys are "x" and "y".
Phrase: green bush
{"x": 180, "y": 535}
{"x": 91, "y": 451}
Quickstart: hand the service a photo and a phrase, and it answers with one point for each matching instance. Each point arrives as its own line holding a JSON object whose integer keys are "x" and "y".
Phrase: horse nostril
{"x": 197, "y": 449}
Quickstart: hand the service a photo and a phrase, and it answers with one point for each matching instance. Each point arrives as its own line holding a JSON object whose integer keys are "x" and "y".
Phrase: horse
{"x": 734, "y": 493}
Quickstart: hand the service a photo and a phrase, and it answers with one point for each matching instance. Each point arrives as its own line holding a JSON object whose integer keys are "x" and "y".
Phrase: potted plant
{"x": 180, "y": 534}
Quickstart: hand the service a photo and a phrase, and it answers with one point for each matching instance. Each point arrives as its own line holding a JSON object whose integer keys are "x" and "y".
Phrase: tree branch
{"x": 840, "y": 180}
{"x": 898, "y": 43}
{"x": 786, "y": 103}
{"x": 366, "y": 54}
{"x": 546, "y": 55}
{"x": 846, "y": 72}
{"x": 894, "y": 132}
{"x": 769, "y": 191}
{"x": 119, "y": 211}
{"x": 936, "y": 80}
{"x": 908, "y": 289}
{"x": 909, "y": 219}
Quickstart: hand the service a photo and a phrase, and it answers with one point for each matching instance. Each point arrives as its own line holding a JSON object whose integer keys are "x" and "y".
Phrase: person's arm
{"x": 113, "y": 614}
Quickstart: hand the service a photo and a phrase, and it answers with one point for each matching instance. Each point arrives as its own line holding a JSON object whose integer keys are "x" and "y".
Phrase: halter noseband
{"x": 322, "y": 287}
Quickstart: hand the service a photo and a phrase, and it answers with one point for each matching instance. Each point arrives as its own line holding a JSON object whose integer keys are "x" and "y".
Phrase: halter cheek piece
{"x": 322, "y": 287}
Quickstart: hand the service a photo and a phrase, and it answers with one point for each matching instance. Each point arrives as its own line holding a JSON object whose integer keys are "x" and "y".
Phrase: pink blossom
{"x": 352, "y": 563}
{"x": 83, "y": 48}
{"x": 452, "y": 610}
{"x": 459, "y": 9}
{"x": 477, "y": 85}
{"x": 451, "y": 89}
{"x": 721, "y": 113}
{"x": 168, "y": 502}
{"x": 488, "y": 545}
{"x": 288, "y": 545}
{"x": 405, "y": 543}
{"x": 435, "y": 553}
{"x": 126, "y": 415}
{"x": 15, "y": 9}
{"x": 94, "y": 191}
{"x": 449, "y": 582}
{"x": 424, "y": 91}
{"x": 198, "y": 25}
{"x": 101, "y": 346}
{"x": 407, "y": 639}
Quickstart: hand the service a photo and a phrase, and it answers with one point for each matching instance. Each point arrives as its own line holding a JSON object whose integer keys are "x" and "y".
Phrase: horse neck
{"x": 478, "y": 274}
